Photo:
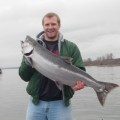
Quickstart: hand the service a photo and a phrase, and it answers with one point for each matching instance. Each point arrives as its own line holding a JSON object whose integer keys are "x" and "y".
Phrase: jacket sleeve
{"x": 25, "y": 71}
{"x": 77, "y": 58}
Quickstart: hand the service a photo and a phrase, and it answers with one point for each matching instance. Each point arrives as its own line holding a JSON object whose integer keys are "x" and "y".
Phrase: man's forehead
{"x": 50, "y": 19}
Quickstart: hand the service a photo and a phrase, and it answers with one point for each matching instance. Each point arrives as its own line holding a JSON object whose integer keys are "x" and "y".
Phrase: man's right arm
{"x": 25, "y": 70}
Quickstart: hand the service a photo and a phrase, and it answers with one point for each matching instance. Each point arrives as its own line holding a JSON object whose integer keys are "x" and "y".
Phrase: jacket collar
{"x": 40, "y": 37}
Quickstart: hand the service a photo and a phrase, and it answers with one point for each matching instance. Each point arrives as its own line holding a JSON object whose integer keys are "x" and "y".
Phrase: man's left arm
{"x": 78, "y": 62}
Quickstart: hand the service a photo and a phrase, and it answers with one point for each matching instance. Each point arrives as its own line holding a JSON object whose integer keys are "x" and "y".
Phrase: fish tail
{"x": 103, "y": 92}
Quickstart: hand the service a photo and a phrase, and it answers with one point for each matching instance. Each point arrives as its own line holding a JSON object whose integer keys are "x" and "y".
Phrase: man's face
{"x": 51, "y": 28}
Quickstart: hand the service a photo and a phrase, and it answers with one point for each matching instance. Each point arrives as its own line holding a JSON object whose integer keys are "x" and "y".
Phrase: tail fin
{"x": 102, "y": 94}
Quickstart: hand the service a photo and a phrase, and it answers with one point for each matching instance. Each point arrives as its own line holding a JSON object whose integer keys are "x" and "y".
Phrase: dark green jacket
{"x": 34, "y": 78}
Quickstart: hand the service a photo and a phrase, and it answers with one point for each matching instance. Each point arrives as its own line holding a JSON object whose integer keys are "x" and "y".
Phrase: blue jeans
{"x": 49, "y": 110}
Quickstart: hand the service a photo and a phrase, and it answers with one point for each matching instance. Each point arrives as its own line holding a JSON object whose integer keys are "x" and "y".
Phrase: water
{"x": 85, "y": 103}
{"x": 14, "y": 99}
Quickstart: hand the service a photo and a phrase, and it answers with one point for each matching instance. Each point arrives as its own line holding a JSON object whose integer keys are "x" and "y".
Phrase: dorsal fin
{"x": 67, "y": 59}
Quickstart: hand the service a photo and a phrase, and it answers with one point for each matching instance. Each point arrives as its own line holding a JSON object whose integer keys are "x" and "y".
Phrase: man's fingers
{"x": 79, "y": 85}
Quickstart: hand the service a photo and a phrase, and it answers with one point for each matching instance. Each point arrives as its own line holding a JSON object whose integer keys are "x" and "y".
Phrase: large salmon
{"x": 61, "y": 71}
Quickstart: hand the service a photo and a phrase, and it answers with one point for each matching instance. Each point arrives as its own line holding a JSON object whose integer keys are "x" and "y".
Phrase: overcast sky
{"x": 94, "y": 25}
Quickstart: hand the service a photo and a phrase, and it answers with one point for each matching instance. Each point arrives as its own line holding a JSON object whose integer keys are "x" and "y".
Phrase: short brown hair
{"x": 51, "y": 14}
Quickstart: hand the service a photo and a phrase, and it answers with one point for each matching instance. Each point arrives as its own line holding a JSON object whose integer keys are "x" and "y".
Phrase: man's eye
{"x": 47, "y": 25}
{"x": 53, "y": 24}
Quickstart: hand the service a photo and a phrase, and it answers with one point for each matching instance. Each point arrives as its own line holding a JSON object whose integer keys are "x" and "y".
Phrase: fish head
{"x": 27, "y": 49}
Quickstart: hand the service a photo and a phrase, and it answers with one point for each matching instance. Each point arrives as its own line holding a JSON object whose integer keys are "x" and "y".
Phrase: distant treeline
{"x": 107, "y": 60}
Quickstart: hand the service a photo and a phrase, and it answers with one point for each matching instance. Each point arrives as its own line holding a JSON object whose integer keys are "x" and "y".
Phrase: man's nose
{"x": 50, "y": 26}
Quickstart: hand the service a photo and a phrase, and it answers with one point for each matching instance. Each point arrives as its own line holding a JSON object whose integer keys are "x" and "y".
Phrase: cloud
{"x": 103, "y": 45}
{"x": 93, "y": 25}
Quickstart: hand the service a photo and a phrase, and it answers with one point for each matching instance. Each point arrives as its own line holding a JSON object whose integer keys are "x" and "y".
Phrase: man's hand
{"x": 79, "y": 85}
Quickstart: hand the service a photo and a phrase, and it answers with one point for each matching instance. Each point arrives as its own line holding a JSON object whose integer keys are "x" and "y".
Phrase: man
{"x": 48, "y": 102}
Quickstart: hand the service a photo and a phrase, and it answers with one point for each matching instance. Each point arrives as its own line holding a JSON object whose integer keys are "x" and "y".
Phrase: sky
{"x": 94, "y": 25}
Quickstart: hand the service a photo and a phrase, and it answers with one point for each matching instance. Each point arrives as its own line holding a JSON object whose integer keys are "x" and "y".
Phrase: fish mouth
{"x": 28, "y": 54}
